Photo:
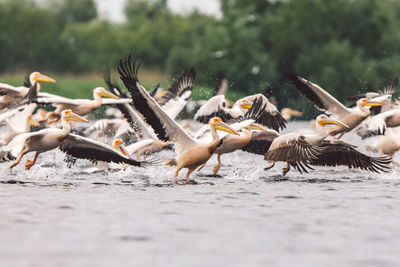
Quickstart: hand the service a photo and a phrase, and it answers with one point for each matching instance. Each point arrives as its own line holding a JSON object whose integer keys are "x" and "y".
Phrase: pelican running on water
{"x": 74, "y": 145}
{"x": 302, "y": 149}
{"x": 191, "y": 153}
{"x": 323, "y": 101}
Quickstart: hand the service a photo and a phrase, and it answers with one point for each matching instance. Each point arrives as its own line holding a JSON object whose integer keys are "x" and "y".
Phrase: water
{"x": 55, "y": 216}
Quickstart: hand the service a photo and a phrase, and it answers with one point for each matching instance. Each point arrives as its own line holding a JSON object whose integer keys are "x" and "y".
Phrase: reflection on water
{"x": 79, "y": 217}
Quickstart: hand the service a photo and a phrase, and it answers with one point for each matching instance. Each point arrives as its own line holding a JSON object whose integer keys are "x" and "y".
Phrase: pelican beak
{"x": 256, "y": 126}
{"x": 332, "y": 121}
{"x": 75, "y": 117}
{"x": 225, "y": 127}
{"x": 108, "y": 95}
{"x": 373, "y": 103}
{"x": 247, "y": 105}
{"x": 44, "y": 78}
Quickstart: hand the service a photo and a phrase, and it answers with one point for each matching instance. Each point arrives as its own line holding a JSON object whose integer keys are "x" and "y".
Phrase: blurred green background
{"x": 342, "y": 45}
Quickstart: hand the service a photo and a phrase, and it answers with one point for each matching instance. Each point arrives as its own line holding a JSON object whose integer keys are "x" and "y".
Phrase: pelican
{"x": 10, "y": 94}
{"x": 191, "y": 153}
{"x": 216, "y": 106}
{"x": 387, "y": 92}
{"x": 73, "y": 145}
{"x": 388, "y": 144}
{"x": 377, "y": 125}
{"x": 80, "y": 106}
{"x": 150, "y": 143}
{"x": 19, "y": 123}
{"x": 229, "y": 143}
{"x": 303, "y": 149}
{"x": 323, "y": 101}
{"x": 287, "y": 113}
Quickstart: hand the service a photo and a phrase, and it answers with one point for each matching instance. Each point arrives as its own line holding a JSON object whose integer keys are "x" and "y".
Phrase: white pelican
{"x": 79, "y": 106}
{"x": 388, "y": 144}
{"x": 322, "y": 100}
{"x": 19, "y": 123}
{"x": 73, "y": 145}
{"x": 303, "y": 149}
{"x": 10, "y": 94}
{"x": 191, "y": 153}
{"x": 287, "y": 113}
{"x": 387, "y": 92}
{"x": 376, "y": 125}
{"x": 216, "y": 106}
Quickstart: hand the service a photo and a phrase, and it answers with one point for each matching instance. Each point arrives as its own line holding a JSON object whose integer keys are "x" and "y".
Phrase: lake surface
{"x": 59, "y": 216}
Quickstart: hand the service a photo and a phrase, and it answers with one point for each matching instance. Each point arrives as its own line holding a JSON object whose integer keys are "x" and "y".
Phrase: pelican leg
{"x": 188, "y": 181}
{"x": 21, "y": 154}
{"x": 286, "y": 170}
{"x": 29, "y": 163}
{"x": 271, "y": 164}
{"x": 176, "y": 175}
{"x": 201, "y": 166}
{"x": 218, "y": 166}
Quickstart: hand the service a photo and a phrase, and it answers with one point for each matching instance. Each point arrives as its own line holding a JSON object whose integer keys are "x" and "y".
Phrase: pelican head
{"x": 102, "y": 92}
{"x": 256, "y": 126}
{"x": 323, "y": 120}
{"x": 68, "y": 115}
{"x": 117, "y": 144}
{"x": 245, "y": 104}
{"x": 365, "y": 102}
{"x": 36, "y": 77}
{"x": 218, "y": 124}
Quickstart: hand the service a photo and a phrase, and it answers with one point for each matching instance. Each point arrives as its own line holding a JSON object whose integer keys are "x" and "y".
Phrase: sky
{"x": 113, "y": 9}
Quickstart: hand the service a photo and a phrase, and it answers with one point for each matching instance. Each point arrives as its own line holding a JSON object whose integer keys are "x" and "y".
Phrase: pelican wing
{"x": 138, "y": 145}
{"x": 181, "y": 86}
{"x": 6, "y": 89}
{"x": 376, "y": 125}
{"x": 318, "y": 96}
{"x": 336, "y": 153}
{"x": 85, "y": 148}
{"x": 214, "y": 107}
{"x": 222, "y": 84}
{"x": 165, "y": 127}
{"x": 110, "y": 101}
{"x": 292, "y": 147}
{"x": 270, "y": 116}
{"x": 260, "y": 142}
{"x": 12, "y": 149}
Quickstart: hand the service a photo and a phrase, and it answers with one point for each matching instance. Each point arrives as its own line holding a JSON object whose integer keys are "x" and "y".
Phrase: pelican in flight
{"x": 80, "y": 106}
{"x": 191, "y": 153}
{"x": 10, "y": 94}
{"x": 302, "y": 149}
{"x": 73, "y": 145}
{"x": 216, "y": 106}
{"x": 323, "y": 101}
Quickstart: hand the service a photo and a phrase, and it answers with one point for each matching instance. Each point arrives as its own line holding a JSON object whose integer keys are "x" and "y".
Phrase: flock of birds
{"x": 145, "y": 124}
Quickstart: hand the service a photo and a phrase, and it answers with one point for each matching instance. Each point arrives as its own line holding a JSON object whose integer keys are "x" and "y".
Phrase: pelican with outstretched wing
{"x": 324, "y": 101}
{"x": 191, "y": 153}
{"x": 71, "y": 144}
{"x": 302, "y": 149}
